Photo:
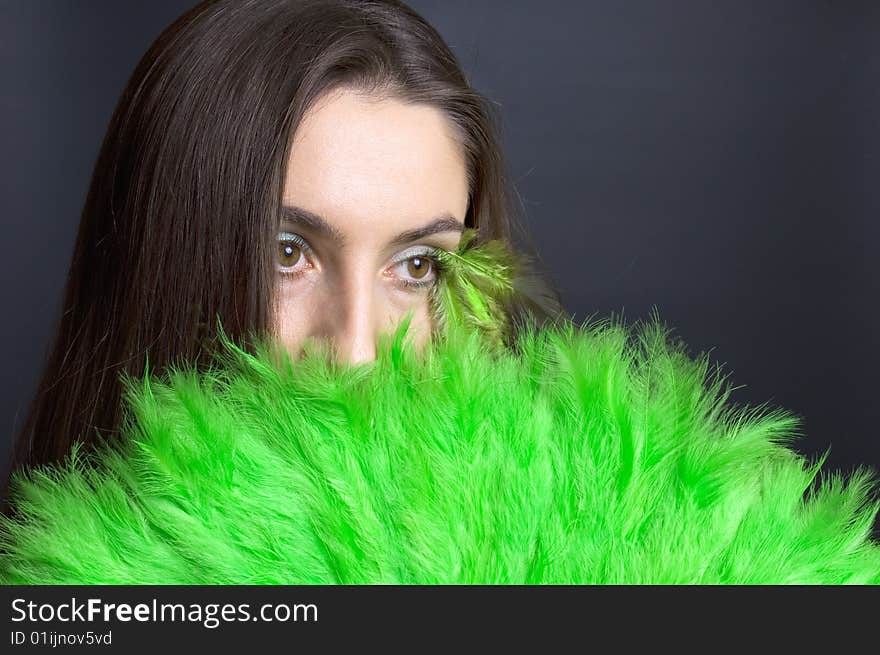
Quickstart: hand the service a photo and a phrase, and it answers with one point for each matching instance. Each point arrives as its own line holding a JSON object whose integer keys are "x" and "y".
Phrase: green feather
{"x": 476, "y": 286}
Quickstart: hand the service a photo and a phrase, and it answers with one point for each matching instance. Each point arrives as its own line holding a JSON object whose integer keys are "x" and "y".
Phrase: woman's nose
{"x": 353, "y": 321}
{"x": 358, "y": 348}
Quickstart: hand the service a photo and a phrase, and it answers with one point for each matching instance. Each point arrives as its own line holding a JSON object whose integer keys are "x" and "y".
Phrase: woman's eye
{"x": 418, "y": 271}
{"x": 291, "y": 252}
{"x": 418, "y": 267}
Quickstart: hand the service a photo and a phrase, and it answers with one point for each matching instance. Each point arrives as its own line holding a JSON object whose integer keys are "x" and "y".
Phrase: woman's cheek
{"x": 293, "y": 309}
{"x": 422, "y": 323}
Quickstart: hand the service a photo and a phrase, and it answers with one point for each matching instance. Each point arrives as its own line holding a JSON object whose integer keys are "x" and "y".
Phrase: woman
{"x": 314, "y": 172}
{"x": 282, "y": 166}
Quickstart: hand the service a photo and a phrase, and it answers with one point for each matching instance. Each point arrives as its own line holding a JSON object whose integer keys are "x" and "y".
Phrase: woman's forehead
{"x": 375, "y": 164}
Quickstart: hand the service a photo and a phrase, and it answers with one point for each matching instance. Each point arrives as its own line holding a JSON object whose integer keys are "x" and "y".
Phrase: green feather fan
{"x": 593, "y": 454}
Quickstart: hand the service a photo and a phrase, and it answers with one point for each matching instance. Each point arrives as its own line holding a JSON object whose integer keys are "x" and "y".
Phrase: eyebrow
{"x": 445, "y": 222}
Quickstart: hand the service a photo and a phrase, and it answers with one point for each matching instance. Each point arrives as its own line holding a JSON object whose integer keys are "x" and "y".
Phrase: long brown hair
{"x": 183, "y": 207}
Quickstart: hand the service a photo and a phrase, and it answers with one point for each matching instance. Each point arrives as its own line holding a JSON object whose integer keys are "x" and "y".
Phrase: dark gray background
{"x": 717, "y": 160}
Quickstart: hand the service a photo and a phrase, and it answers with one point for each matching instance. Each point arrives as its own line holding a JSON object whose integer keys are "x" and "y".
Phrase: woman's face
{"x": 372, "y": 185}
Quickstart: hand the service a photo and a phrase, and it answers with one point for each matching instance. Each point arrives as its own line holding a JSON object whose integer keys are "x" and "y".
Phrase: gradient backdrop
{"x": 719, "y": 161}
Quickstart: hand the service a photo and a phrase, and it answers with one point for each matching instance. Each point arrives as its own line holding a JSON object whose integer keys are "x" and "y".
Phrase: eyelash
{"x": 427, "y": 252}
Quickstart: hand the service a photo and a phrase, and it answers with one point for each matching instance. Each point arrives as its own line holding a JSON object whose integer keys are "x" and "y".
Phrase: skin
{"x": 372, "y": 168}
